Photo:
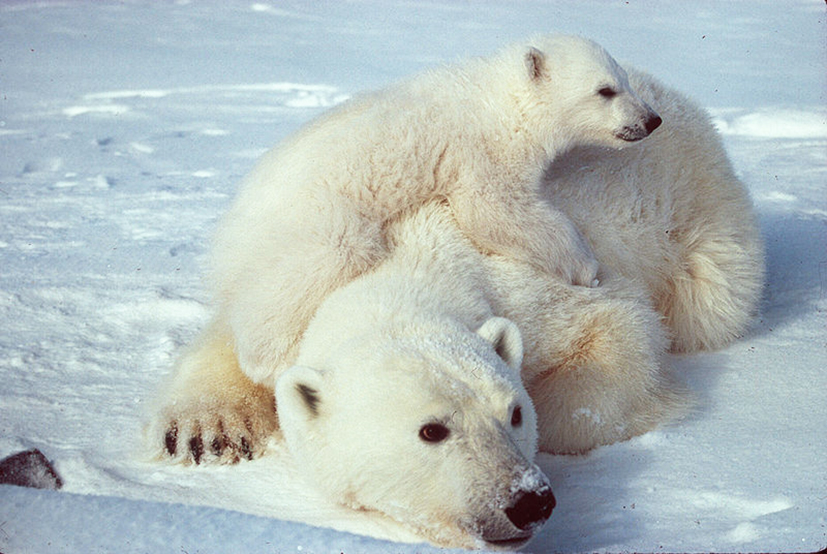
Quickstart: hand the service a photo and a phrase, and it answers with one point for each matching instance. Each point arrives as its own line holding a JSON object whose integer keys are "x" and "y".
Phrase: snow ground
{"x": 124, "y": 127}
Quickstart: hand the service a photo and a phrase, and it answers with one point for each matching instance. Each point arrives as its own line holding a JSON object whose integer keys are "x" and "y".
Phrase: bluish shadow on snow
{"x": 597, "y": 493}
{"x": 699, "y": 374}
{"x": 48, "y": 521}
{"x": 592, "y": 511}
{"x": 796, "y": 274}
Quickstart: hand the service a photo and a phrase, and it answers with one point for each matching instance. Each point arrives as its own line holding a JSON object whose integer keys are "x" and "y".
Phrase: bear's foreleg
{"x": 311, "y": 256}
{"x": 210, "y": 411}
{"x": 526, "y": 228}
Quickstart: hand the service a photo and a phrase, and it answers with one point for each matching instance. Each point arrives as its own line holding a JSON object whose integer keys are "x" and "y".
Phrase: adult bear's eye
{"x": 607, "y": 92}
{"x": 517, "y": 417}
{"x": 433, "y": 432}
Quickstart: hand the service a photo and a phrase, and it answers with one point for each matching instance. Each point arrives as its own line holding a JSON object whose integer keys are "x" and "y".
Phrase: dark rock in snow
{"x": 29, "y": 469}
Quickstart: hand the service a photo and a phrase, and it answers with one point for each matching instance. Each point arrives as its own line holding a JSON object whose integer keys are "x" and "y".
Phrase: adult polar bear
{"x": 313, "y": 214}
{"x": 673, "y": 230}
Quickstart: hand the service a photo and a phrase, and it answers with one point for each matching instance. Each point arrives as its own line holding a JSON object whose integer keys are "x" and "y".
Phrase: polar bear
{"x": 314, "y": 212}
{"x": 407, "y": 396}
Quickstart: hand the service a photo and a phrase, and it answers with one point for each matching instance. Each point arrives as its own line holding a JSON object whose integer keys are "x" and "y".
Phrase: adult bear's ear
{"x": 299, "y": 395}
{"x": 535, "y": 63}
{"x": 505, "y": 338}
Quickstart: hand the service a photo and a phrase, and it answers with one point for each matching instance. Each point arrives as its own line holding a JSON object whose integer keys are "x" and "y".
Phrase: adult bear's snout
{"x": 531, "y": 508}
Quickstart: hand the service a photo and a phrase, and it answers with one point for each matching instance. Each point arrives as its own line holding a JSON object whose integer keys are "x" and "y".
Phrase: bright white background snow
{"x": 124, "y": 128}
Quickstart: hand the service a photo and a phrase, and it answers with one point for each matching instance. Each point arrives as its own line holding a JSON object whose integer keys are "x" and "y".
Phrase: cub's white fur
{"x": 314, "y": 213}
{"x": 671, "y": 214}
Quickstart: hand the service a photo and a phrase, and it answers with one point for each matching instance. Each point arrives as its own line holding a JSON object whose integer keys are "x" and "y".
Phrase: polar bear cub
{"x": 314, "y": 213}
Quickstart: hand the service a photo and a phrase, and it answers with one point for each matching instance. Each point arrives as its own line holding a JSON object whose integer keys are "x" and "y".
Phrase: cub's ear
{"x": 505, "y": 338}
{"x": 535, "y": 63}
{"x": 299, "y": 394}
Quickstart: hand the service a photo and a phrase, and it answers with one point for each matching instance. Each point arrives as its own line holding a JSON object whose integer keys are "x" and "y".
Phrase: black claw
{"x": 218, "y": 444}
{"x": 196, "y": 448}
{"x": 171, "y": 439}
{"x": 246, "y": 450}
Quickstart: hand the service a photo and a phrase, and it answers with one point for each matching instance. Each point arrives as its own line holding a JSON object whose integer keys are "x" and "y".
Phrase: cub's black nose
{"x": 653, "y": 123}
{"x": 530, "y": 508}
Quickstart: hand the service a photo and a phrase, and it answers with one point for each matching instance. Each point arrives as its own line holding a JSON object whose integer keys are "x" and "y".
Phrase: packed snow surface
{"x": 124, "y": 129}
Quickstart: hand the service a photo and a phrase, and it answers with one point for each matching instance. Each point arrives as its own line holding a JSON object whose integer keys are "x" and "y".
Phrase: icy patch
{"x": 775, "y": 196}
{"x": 260, "y": 7}
{"x": 780, "y": 123}
{"x": 308, "y": 99}
{"x": 652, "y": 440}
{"x": 173, "y": 310}
{"x": 744, "y": 532}
{"x": 299, "y": 95}
{"x": 142, "y": 148}
{"x": 232, "y": 98}
{"x": 814, "y": 212}
{"x": 214, "y": 132}
{"x": 743, "y": 507}
{"x": 100, "y": 182}
{"x": 65, "y": 184}
{"x": 121, "y": 94}
{"x": 108, "y": 109}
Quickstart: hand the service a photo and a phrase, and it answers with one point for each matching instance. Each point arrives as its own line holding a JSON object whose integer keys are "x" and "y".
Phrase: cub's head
{"x": 572, "y": 92}
{"x": 435, "y": 431}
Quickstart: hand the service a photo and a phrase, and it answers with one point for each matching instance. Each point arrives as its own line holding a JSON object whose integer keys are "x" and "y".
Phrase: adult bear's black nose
{"x": 653, "y": 123}
{"x": 531, "y": 508}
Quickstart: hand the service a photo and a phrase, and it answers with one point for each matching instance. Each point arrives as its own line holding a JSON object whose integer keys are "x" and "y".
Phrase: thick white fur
{"x": 314, "y": 213}
{"x": 681, "y": 268}
{"x": 410, "y": 343}
{"x": 670, "y": 214}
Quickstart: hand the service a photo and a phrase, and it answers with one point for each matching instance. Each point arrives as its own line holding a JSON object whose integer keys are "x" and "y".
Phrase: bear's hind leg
{"x": 210, "y": 412}
{"x": 711, "y": 298}
{"x": 598, "y": 376}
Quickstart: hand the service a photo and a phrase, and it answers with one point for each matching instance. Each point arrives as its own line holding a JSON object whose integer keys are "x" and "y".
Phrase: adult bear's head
{"x": 433, "y": 429}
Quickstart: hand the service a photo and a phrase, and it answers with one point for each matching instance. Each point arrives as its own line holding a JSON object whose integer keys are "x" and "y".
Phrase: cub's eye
{"x": 517, "y": 417}
{"x": 433, "y": 432}
{"x": 607, "y": 92}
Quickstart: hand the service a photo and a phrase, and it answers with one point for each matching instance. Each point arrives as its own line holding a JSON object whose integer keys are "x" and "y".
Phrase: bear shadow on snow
{"x": 789, "y": 294}
{"x": 589, "y": 518}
